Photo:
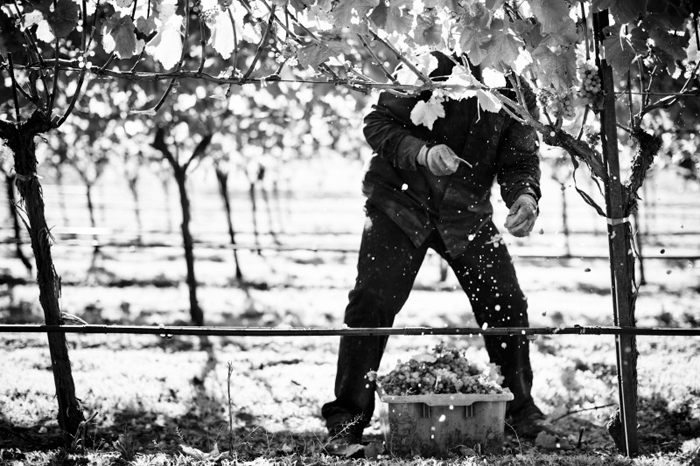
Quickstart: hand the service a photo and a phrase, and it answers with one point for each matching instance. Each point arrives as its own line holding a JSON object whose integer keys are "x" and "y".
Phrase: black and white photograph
{"x": 334, "y": 232}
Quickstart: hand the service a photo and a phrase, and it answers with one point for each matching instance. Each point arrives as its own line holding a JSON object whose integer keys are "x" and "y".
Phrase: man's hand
{"x": 440, "y": 160}
{"x": 522, "y": 216}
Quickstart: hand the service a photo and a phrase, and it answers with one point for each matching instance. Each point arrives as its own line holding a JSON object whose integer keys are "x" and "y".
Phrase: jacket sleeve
{"x": 388, "y": 127}
{"x": 391, "y": 134}
{"x": 519, "y": 167}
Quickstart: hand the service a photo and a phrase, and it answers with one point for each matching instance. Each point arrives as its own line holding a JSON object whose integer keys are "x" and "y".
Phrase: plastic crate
{"x": 432, "y": 425}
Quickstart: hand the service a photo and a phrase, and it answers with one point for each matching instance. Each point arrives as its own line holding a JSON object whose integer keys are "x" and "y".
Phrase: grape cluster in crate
{"x": 446, "y": 370}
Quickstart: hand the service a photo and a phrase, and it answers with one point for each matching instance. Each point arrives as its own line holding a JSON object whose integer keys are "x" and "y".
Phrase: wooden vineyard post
{"x": 20, "y": 138}
{"x": 623, "y": 427}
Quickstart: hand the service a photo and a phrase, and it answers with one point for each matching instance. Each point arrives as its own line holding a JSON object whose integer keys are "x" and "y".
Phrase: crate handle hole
{"x": 469, "y": 411}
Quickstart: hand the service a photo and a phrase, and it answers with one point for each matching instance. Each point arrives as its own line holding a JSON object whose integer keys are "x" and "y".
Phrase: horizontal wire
{"x": 168, "y": 331}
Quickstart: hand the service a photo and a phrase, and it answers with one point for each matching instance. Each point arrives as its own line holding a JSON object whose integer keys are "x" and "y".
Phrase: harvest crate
{"x": 432, "y": 425}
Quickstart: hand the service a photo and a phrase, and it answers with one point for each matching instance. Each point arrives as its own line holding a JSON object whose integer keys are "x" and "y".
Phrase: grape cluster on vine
{"x": 590, "y": 82}
{"x": 209, "y": 15}
{"x": 568, "y": 111}
{"x": 206, "y": 13}
{"x": 558, "y": 105}
{"x": 288, "y": 53}
{"x": 446, "y": 371}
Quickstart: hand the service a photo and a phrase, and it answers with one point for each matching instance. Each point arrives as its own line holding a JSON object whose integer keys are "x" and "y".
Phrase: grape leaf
{"x": 664, "y": 38}
{"x": 348, "y": 13}
{"x": 550, "y": 14}
{"x": 398, "y": 20}
{"x": 379, "y": 15}
{"x": 693, "y": 52}
{"x": 624, "y": 11}
{"x": 222, "y": 36}
{"x": 555, "y": 70}
{"x": 62, "y": 16}
{"x": 473, "y": 30}
{"x": 43, "y": 31}
{"x": 639, "y": 38}
{"x": 428, "y": 31}
{"x": 237, "y": 13}
{"x": 425, "y": 113}
{"x": 166, "y": 45}
{"x": 674, "y": 46}
{"x": 493, "y": 78}
{"x": 313, "y": 55}
{"x": 503, "y": 49}
{"x": 618, "y": 52}
{"x": 529, "y": 31}
{"x": 488, "y": 101}
{"x": 316, "y": 53}
{"x": 522, "y": 64}
{"x": 462, "y": 83}
{"x": 667, "y": 62}
{"x": 118, "y": 36}
{"x": 11, "y": 41}
{"x": 556, "y": 25}
{"x": 145, "y": 26}
{"x": 404, "y": 75}
{"x": 426, "y": 63}
{"x": 470, "y": 44}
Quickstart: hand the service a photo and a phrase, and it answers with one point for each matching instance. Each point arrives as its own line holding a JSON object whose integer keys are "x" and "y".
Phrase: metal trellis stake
{"x": 624, "y": 430}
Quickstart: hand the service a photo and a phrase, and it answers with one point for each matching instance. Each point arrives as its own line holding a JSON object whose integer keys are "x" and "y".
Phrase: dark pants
{"x": 387, "y": 267}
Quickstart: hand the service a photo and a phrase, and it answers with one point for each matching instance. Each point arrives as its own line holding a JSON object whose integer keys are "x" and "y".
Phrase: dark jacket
{"x": 497, "y": 146}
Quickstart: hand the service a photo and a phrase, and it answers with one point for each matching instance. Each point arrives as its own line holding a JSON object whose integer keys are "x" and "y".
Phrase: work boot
{"x": 344, "y": 441}
{"x": 529, "y": 421}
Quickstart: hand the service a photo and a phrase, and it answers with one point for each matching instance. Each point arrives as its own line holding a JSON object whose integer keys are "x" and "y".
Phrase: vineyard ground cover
{"x": 152, "y": 395}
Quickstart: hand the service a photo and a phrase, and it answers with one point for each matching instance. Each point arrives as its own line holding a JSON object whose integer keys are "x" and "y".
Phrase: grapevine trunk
{"x": 20, "y": 139}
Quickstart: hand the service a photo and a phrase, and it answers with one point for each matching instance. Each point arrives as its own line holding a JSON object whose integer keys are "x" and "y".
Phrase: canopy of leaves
{"x": 357, "y": 44}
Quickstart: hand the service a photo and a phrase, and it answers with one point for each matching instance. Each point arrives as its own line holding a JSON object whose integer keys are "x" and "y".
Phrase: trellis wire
{"x": 267, "y": 80}
{"x": 168, "y": 331}
{"x": 89, "y": 231}
{"x": 321, "y": 249}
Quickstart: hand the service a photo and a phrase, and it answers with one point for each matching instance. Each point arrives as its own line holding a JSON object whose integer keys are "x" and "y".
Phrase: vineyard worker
{"x": 420, "y": 196}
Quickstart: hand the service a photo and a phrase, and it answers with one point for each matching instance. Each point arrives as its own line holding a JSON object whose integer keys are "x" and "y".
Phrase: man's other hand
{"x": 522, "y": 216}
{"x": 440, "y": 160}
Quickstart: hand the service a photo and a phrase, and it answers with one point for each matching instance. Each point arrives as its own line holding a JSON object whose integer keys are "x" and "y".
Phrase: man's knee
{"x": 510, "y": 312}
{"x": 366, "y": 308}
